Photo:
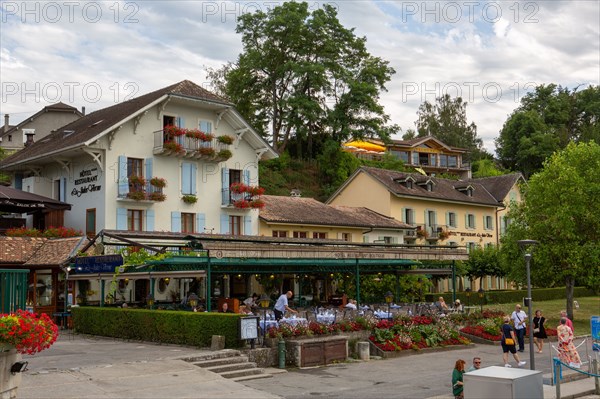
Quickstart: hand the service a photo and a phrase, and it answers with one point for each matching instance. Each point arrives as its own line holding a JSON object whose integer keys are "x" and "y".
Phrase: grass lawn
{"x": 588, "y": 306}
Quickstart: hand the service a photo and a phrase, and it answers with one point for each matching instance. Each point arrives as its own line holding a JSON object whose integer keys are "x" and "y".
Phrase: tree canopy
{"x": 562, "y": 212}
{"x": 447, "y": 121}
{"x": 546, "y": 121}
{"x": 303, "y": 74}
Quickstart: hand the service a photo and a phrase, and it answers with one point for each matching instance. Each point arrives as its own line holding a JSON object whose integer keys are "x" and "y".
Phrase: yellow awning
{"x": 365, "y": 145}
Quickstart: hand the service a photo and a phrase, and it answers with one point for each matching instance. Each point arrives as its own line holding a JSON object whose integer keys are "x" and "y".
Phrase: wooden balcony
{"x": 189, "y": 147}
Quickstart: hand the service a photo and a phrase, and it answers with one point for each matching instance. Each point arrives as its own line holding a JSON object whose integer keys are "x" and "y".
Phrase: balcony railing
{"x": 189, "y": 147}
{"x": 144, "y": 192}
{"x": 432, "y": 232}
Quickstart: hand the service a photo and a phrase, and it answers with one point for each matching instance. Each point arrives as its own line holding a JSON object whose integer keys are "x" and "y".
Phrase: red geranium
{"x": 27, "y": 332}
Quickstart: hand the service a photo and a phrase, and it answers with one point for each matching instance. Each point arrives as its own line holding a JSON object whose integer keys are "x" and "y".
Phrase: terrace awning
{"x": 19, "y": 201}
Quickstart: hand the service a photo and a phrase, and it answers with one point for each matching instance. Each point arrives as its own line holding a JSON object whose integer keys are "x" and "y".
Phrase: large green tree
{"x": 446, "y": 119}
{"x": 484, "y": 262}
{"x": 562, "y": 212}
{"x": 548, "y": 119}
{"x": 302, "y": 74}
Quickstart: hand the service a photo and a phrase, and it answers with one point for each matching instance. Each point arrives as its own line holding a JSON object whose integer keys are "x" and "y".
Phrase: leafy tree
{"x": 302, "y": 74}
{"x": 335, "y": 166}
{"x": 485, "y": 168}
{"x": 447, "y": 121}
{"x": 546, "y": 121}
{"x": 484, "y": 262}
{"x": 562, "y": 212}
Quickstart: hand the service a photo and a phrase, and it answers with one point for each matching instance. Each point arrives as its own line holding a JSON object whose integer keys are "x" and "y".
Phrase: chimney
{"x": 83, "y": 110}
{"x": 6, "y": 125}
{"x": 29, "y": 133}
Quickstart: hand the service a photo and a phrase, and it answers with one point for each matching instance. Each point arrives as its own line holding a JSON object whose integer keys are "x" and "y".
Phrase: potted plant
{"x": 208, "y": 151}
{"x": 174, "y": 147}
{"x": 443, "y": 235}
{"x": 422, "y": 233}
{"x": 238, "y": 188}
{"x": 225, "y": 139}
{"x": 189, "y": 198}
{"x": 241, "y": 204}
{"x": 27, "y": 332}
{"x": 255, "y": 190}
{"x": 257, "y": 204}
{"x": 158, "y": 182}
{"x": 135, "y": 180}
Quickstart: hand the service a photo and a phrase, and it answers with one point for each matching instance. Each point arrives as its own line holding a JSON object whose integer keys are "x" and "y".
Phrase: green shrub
{"x": 492, "y": 297}
{"x": 172, "y": 327}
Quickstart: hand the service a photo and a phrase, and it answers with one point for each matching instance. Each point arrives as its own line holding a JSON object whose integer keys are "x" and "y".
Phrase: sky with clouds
{"x": 96, "y": 53}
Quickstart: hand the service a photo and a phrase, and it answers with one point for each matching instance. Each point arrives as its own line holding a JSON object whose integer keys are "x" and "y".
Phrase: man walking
{"x": 282, "y": 305}
{"x": 519, "y": 319}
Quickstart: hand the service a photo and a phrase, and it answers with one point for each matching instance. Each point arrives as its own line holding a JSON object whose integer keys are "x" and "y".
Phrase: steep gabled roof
{"x": 301, "y": 210}
{"x": 444, "y": 189}
{"x": 38, "y": 251}
{"x": 58, "y": 107}
{"x": 91, "y": 127}
{"x": 500, "y": 186}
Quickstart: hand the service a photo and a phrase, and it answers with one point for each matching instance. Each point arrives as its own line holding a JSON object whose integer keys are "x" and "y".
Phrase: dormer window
{"x": 467, "y": 190}
{"x": 409, "y": 184}
{"x": 470, "y": 191}
{"x": 429, "y": 186}
{"x": 425, "y": 182}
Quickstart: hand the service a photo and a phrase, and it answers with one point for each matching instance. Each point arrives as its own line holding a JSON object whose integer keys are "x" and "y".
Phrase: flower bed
{"x": 27, "y": 332}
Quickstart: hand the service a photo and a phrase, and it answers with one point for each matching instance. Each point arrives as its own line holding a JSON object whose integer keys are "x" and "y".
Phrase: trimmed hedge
{"x": 172, "y": 327}
{"x": 493, "y": 297}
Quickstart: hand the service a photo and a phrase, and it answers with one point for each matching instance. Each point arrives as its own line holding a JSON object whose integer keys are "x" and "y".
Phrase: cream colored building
{"x": 465, "y": 213}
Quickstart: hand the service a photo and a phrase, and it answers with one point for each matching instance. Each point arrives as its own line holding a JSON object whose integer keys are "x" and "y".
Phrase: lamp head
{"x": 150, "y": 299}
{"x": 468, "y": 292}
{"x": 526, "y": 245}
{"x": 389, "y": 297}
{"x": 264, "y": 301}
{"x": 193, "y": 300}
{"x": 480, "y": 291}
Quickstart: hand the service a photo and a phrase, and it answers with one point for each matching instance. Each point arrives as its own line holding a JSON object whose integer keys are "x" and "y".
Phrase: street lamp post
{"x": 468, "y": 294}
{"x": 527, "y": 247}
{"x": 264, "y": 302}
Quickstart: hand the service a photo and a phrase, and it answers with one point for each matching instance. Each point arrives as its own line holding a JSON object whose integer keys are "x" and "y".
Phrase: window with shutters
{"x": 280, "y": 233}
{"x": 470, "y": 221}
{"x": 451, "y": 219}
{"x": 235, "y": 225}
{"x": 488, "y": 222}
{"x": 300, "y": 234}
{"x": 187, "y": 222}
{"x": 135, "y": 167}
{"x": 409, "y": 216}
{"x": 135, "y": 220}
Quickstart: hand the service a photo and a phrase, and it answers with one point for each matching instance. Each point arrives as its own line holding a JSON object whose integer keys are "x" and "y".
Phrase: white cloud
{"x": 491, "y": 54}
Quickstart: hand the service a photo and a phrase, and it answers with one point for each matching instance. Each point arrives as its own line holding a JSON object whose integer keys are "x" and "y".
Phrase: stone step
{"x": 252, "y": 377}
{"x": 241, "y": 373}
{"x": 223, "y": 368}
{"x": 225, "y": 353}
{"x": 220, "y": 361}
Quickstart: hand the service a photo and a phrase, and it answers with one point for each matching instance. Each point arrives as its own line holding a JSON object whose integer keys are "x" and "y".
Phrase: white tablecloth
{"x": 294, "y": 321}
{"x": 270, "y": 323}
{"x": 383, "y": 315}
{"x": 326, "y": 318}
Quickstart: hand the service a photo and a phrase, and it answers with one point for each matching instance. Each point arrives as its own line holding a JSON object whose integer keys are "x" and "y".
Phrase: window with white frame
{"x": 451, "y": 219}
{"x": 279, "y": 233}
{"x": 409, "y": 216}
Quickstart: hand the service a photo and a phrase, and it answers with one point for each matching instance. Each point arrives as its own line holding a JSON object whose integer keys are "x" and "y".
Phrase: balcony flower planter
{"x": 157, "y": 196}
{"x": 136, "y": 195}
{"x": 158, "y": 182}
{"x": 224, "y": 155}
{"x": 422, "y": 234}
{"x": 198, "y": 135}
{"x": 189, "y": 199}
{"x": 255, "y": 190}
{"x": 442, "y": 235}
{"x": 136, "y": 181}
{"x": 174, "y": 147}
{"x": 238, "y": 188}
{"x": 257, "y": 204}
{"x": 241, "y": 204}
{"x": 174, "y": 131}
{"x": 207, "y": 151}
{"x": 225, "y": 139}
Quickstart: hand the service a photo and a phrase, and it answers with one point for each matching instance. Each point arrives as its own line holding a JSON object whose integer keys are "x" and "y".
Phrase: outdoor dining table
{"x": 326, "y": 318}
{"x": 269, "y": 324}
{"x": 380, "y": 314}
{"x": 294, "y": 321}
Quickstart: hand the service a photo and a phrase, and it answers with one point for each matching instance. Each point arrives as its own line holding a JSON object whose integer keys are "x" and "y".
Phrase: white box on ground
{"x": 503, "y": 383}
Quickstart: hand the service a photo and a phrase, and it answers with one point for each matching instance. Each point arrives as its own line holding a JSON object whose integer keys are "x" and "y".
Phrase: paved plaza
{"x": 93, "y": 367}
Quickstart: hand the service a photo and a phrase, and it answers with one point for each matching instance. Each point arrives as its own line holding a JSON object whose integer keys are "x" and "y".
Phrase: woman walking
{"x": 508, "y": 342}
{"x": 539, "y": 330}
{"x": 457, "y": 379}
{"x": 566, "y": 349}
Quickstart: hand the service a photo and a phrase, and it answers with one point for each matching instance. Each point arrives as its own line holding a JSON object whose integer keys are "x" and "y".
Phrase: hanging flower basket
{"x": 189, "y": 199}
{"x": 422, "y": 233}
{"x": 208, "y": 151}
{"x": 225, "y": 139}
{"x": 136, "y": 195}
{"x": 442, "y": 235}
{"x": 158, "y": 182}
{"x": 157, "y": 196}
{"x": 224, "y": 154}
{"x": 241, "y": 204}
{"x": 198, "y": 135}
{"x": 174, "y": 147}
{"x": 27, "y": 332}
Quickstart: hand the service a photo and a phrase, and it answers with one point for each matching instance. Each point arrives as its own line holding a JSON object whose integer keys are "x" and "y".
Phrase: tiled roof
{"x": 18, "y": 249}
{"x": 91, "y": 125}
{"x": 301, "y": 210}
{"x": 55, "y": 251}
{"x": 30, "y": 251}
{"x": 444, "y": 189}
{"x": 499, "y": 186}
{"x": 419, "y": 140}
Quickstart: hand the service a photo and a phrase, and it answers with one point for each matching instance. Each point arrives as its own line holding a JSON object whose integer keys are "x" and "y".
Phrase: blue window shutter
{"x": 225, "y": 224}
{"x": 426, "y": 218}
{"x": 200, "y": 222}
{"x": 149, "y": 169}
{"x": 176, "y": 222}
{"x": 403, "y": 219}
{"x": 186, "y": 178}
{"x": 193, "y": 172}
{"x": 121, "y": 219}
{"x": 123, "y": 180}
{"x": 19, "y": 181}
{"x": 447, "y": 218}
{"x": 246, "y": 177}
{"x": 180, "y": 122}
{"x": 63, "y": 189}
{"x": 247, "y": 225}
{"x": 225, "y": 186}
{"x": 150, "y": 220}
